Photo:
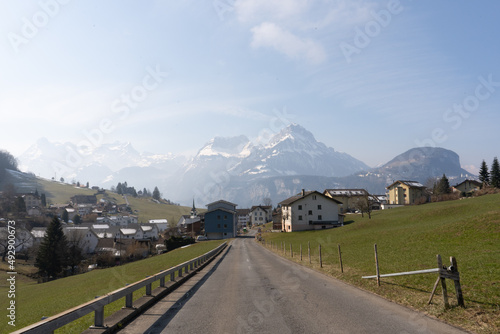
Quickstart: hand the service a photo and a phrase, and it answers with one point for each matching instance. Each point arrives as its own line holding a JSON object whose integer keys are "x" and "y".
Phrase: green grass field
{"x": 144, "y": 208}
{"x": 408, "y": 239}
{"x": 37, "y": 300}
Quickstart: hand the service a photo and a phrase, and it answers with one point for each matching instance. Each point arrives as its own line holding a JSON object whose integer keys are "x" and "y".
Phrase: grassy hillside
{"x": 144, "y": 208}
{"x": 409, "y": 239}
{"x": 37, "y": 300}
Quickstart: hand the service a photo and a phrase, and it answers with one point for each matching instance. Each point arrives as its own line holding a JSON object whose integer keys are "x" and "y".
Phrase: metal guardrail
{"x": 97, "y": 305}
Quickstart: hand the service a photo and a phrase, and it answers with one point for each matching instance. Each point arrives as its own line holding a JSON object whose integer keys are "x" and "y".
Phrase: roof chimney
{"x": 303, "y": 192}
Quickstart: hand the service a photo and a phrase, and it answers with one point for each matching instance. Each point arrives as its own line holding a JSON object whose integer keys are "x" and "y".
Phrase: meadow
{"x": 408, "y": 239}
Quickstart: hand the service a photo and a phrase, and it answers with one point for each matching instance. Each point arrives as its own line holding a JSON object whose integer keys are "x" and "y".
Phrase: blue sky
{"x": 370, "y": 78}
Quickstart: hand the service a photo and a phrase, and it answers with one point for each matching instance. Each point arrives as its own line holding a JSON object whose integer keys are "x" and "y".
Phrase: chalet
{"x": 220, "y": 220}
{"x": 405, "y": 192}
{"x": 467, "y": 186}
{"x": 261, "y": 214}
{"x": 310, "y": 210}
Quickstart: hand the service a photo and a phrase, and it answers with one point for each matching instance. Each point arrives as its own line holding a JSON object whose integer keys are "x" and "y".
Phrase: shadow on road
{"x": 165, "y": 319}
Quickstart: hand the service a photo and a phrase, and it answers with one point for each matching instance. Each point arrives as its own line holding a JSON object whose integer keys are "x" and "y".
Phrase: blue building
{"x": 220, "y": 220}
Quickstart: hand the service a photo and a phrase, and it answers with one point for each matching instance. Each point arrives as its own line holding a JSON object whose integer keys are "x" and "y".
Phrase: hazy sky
{"x": 370, "y": 78}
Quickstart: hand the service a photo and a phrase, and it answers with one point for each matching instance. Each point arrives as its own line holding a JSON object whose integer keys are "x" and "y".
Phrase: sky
{"x": 369, "y": 78}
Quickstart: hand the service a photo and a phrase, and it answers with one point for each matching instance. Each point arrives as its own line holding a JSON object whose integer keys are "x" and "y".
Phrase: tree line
{"x": 490, "y": 177}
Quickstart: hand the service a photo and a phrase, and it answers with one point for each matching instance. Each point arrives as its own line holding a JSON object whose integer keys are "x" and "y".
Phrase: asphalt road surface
{"x": 251, "y": 290}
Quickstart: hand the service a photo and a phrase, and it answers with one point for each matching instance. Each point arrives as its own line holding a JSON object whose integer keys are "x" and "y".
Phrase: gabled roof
{"x": 266, "y": 208}
{"x": 305, "y": 194}
{"x": 221, "y": 201}
{"x": 411, "y": 184}
{"x": 477, "y": 183}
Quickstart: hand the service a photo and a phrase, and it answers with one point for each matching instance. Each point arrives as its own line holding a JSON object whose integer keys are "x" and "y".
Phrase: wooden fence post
{"x": 320, "y": 260}
{"x": 376, "y": 264}
{"x": 340, "y": 259}
{"x": 456, "y": 280}
{"x": 443, "y": 282}
{"x": 309, "y": 251}
{"x": 291, "y": 250}
{"x": 300, "y": 252}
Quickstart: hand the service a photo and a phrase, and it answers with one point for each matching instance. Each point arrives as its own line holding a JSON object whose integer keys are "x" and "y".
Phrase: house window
{"x": 300, "y": 217}
{"x": 314, "y": 197}
{"x": 310, "y": 212}
{"x": 320, "y": 217}
{"x": 225, "y": 225}
{"x": 225, "y": 217}
{"x": 218, "y": 225}
{"x": 218, "y": 216}
{"x": 300, "y": 207}
{"x": 319, "y": 206}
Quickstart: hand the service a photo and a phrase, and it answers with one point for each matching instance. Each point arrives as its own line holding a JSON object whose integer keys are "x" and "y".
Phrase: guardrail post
{"x": 128, "y": 300}
{"x": 148, "y": 289}
{"x": 180, "y": 272}
{"x": 99, "y": 317}
{"x": 172, "y": 276}
{"x": 162, "y": 282}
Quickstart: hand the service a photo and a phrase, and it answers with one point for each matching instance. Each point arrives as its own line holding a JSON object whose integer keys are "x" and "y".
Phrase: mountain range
{"x": 236, "y": 169}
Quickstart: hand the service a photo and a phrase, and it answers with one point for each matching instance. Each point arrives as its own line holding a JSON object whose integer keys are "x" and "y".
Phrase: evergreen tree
{"x": 443, "y": 186}
{"x": 484, "y": 175}
{"x": 495, "y": 173}
{"x": 65, "y": 216}
{"x": 52, "y": 254}
{"x": 156, "y": 194}
{"x": 43, "y": 199}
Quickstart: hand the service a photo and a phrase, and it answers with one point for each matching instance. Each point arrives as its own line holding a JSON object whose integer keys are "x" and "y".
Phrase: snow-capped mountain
{"x": 94, "y": 164}
{"x": 295, "y": 151}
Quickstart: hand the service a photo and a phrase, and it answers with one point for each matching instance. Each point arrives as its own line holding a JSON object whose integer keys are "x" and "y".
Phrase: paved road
{"x": 251, "y": 290}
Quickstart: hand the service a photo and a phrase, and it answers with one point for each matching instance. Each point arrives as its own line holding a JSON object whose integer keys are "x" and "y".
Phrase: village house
{"x": 405, "y": 193}
{"x": 348, "y": 197}
{"x": 161, "y": 224}
{"x": 259, "y": 215}
{"x": 310, "y": 210}
{"x": 31, "y": 200}
{"x": 83, "y": 237}
{"x": 467, "y": 186}
{"x": 83, "y": 199}
{"x": 277, "y": 219}
{"x": 242, "y": 218}
{"x": 189, "y": 224}
{"x": 220, "y": 220}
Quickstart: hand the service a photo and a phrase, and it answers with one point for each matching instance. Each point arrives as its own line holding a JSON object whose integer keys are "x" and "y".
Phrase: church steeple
{"x": 193, "y": 211}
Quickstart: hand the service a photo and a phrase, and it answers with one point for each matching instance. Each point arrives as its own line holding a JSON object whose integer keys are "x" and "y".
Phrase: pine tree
{"x": 52, "y": 254}
{"x": 65, "y": 216}
{"x": 495, "y": 173}
{"x": 156, "y": 194}
{"x": 43, "y": 199}
{"x": 484, "y": 175}
{"x": 443, "y": 186}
